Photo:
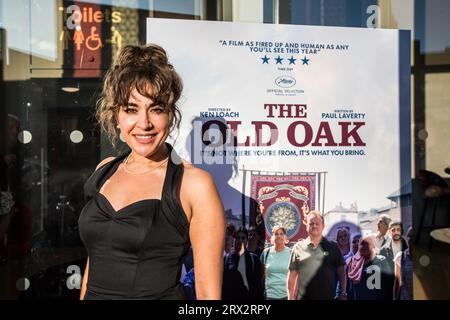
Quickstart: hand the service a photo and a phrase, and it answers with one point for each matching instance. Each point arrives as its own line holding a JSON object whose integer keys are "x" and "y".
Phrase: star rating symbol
{"x": 292, "y": 60}
{"x": 305, "y": 61}
{"x": 278, "y": 60}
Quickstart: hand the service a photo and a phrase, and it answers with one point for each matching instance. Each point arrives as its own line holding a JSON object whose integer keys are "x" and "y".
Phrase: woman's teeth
{"x": 144, "y": 138}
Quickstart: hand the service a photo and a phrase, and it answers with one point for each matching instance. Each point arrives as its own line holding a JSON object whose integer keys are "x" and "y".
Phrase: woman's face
{"x": 144, "y": 126}
{"x": 342, "y": 237}
{"x": 365, "y": 248}
{"x": 279, "y": 237}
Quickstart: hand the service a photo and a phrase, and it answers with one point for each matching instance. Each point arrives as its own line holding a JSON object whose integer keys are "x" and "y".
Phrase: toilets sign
{"x": 88, "y": 15}
{"x": 83, "y": 27}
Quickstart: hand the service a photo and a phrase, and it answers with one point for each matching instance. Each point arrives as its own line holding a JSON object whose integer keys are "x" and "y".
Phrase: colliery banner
{"x": 289, "y": 119}
{"x": 284, "y": 201}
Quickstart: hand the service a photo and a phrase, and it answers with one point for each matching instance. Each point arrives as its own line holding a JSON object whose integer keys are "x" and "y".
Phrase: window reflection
{"x": 50, "y": 79}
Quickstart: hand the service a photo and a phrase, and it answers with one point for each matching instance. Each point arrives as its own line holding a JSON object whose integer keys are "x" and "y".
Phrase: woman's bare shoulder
{"x": 104, "y": 161}
{"x": 194, "y": 175}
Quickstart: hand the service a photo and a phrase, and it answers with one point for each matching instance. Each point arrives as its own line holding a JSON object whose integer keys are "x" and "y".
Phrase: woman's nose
{"x": 143, "y": 120}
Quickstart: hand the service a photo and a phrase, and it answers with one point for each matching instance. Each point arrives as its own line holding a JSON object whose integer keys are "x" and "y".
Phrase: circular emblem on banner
{"x": 284, "y": 214}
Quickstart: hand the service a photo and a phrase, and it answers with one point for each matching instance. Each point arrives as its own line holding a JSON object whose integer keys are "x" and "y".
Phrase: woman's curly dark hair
{"x": 138, "y": 67}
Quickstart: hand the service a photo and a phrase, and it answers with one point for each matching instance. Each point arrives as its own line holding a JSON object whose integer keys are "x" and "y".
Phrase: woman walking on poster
{"x": 275, "y": 261}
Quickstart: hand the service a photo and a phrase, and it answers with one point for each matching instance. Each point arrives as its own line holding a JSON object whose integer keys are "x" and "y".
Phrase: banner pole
{"x": 318, "y": 175}
{"x": 243, "y": 196}
{"x": 324, "y": 185}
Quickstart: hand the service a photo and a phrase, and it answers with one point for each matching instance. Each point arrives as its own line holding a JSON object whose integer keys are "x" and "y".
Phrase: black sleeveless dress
{"x": 135, "y": 252}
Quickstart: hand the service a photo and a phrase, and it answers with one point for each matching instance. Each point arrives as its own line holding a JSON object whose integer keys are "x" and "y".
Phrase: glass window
{"x": 53, "y": 56}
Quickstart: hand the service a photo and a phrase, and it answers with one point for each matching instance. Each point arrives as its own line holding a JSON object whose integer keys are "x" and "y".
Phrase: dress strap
{"x": 170, "y": 203}
{"x": 99, "y": 176}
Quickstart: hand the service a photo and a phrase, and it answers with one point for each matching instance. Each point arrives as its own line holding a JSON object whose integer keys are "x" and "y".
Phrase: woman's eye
{"x": 157, "y": 110}
{"x": 130, "y": 110}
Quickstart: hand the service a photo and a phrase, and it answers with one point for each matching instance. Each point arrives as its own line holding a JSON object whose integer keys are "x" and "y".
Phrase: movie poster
{"x": 289, "y": 119}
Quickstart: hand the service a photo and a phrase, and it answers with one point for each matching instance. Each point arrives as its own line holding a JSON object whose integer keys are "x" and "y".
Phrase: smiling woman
{"x": 143, "y": 211}
{"x": 141, "y": 76}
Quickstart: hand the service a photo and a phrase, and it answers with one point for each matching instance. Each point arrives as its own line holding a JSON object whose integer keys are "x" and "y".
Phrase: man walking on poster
{"x": 314, "y": 263}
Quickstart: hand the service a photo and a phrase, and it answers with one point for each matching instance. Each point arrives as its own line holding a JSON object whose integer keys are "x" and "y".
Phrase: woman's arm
{"x": 85, "y": 279}
{"x": 207, "y": 232}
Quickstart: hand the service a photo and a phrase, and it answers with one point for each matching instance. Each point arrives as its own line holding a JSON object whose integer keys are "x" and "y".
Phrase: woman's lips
{"x": 144, "y": 138}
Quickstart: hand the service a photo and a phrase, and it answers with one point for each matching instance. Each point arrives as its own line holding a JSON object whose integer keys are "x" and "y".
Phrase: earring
{"x": 117, "y": 126}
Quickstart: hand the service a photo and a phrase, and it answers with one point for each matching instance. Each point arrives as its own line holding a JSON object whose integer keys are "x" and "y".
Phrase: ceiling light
{"x": 70, "y": 89}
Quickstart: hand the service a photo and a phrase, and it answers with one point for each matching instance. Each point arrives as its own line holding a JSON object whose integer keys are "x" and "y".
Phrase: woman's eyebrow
{"x": 133, "y": 97}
